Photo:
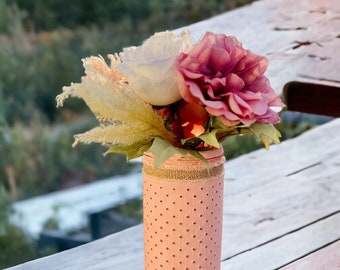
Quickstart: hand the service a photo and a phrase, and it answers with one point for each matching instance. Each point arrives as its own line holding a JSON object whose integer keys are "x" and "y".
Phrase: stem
{"x": 181, "y": 133}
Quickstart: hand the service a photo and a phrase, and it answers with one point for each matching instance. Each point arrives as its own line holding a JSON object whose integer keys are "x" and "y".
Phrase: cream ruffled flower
{"x": 149, "y": 68}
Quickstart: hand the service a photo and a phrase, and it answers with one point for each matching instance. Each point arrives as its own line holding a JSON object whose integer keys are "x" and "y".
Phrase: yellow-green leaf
{"x": 163, "y": 150}
{"x": 131, "y": 151}
{"x": 126, "y": 121}
{"x": 267, "y": 133}
{"x": 210, "y": 138}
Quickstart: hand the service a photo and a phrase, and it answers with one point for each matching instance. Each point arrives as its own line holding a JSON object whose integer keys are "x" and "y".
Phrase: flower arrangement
{"x": 169, "y": 95}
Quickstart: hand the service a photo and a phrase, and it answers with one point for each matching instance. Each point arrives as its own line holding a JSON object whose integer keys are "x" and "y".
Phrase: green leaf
{"x": 223, "y": 131}
{"x": 220, "y": 132}
{"x": 210, "y": 138}
{"x": 267, "y": 133}
{"x": 126, "y": 123}
{"x": 131, "y": 151}
{"x": 163, "y": 150}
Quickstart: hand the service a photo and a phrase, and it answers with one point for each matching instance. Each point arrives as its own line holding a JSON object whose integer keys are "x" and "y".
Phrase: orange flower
{"x": 193, "y": 119}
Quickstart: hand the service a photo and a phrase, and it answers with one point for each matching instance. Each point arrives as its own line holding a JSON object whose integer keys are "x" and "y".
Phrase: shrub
{"x": 14, "y": 246}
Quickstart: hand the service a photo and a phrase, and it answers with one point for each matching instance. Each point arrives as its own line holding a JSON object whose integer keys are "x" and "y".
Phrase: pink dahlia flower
{"x": 219, "y": 74}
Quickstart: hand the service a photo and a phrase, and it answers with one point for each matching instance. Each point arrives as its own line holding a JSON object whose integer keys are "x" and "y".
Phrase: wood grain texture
{"x": 300, "y": 38}
{"x": 281, "y": 192}
{"x": 281, "y": 205}
{"x": 289, "y": 247}
{"x": 117, "y": 251}
{"x": 323, "y": 259}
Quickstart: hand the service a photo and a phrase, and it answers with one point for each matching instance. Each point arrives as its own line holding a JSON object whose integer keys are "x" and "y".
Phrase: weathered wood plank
{"x": 323, "y": 259}
{"x": 313, "y": 147}
{"x": 288, "y": 248}
{"x": 254, "y": 213}
{"x": 300, "y": 38}
{"x": 271, "y": 203}
{"x": 121, "y": 251}
{"x": 261, "y": 214}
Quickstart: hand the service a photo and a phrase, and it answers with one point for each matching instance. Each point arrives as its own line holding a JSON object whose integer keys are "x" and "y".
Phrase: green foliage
{"x": 48, "y": 15}
{"x": 35, "y": 72}
{"x": 132, "y": 208}
{"x": 239, "y": 145}
{"x": 2, "y": 110}
{"x": 11, "y": 17}
{"x": 14, "y": 246}
{"x": 44, "y": 161}
{"x": 163, "y": 150}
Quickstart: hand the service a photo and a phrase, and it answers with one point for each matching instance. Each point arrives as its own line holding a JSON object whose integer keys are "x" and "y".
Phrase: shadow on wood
{"x": 312, "y": 98}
